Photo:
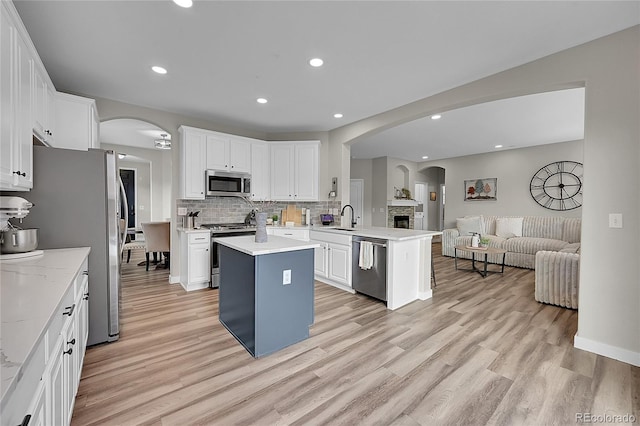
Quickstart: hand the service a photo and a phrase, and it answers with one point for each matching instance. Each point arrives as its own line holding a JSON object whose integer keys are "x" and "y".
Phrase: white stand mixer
{"x": 15, "y": 242}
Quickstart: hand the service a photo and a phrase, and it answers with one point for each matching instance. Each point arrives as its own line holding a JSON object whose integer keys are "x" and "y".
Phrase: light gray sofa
{"x": 557, "y": 278}
{"x": 539, "y": 233}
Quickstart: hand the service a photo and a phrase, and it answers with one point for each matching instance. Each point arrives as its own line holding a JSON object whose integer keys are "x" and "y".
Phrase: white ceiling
{"x": 222, "y": 55}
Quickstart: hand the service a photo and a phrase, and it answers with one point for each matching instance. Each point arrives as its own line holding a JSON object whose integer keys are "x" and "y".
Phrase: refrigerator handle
{"x": 123, "y": 194}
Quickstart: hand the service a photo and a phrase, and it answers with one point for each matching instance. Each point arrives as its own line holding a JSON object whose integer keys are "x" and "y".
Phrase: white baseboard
{"x": 174, "y": 279}
{"x": 609, "y": 351}
{"x": 424, "y": 295}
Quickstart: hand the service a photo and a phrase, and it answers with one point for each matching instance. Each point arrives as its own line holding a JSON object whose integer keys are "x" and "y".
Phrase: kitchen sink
{"x": 344, "y": 229}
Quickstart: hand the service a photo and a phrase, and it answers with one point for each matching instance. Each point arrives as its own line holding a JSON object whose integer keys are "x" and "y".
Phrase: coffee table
{"x": 486, "y": 251}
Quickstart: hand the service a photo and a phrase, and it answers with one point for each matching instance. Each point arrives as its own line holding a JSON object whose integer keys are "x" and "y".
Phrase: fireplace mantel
{"x": 403, "y": 203}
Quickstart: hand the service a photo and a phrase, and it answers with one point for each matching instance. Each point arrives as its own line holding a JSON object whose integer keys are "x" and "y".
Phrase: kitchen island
{"x": 266, "y": 291}
{"x": 408, "y": 261}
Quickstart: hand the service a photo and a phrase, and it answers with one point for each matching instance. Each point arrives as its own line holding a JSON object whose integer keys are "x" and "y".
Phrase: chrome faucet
{"x": 353, "y": 222}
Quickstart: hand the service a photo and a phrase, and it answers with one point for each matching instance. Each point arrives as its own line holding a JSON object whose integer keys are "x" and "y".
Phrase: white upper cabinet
{"x": 77, "y": 122}
{"x": 229, "y": 153}
{"x": 43, "y": 105}
{"x": 193, "y": 162}
{"x": 294, "y": 171}
{"x": 260, "y": 171}
{"x": 16, "y": 152}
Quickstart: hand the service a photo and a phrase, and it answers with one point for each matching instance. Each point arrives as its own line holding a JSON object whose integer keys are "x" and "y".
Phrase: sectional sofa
{"x": 550, "y": 245}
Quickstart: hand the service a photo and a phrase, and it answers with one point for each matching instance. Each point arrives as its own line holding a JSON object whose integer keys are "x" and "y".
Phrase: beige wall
{"x": 609, "y": 316}
{"x": 513, "y": 168}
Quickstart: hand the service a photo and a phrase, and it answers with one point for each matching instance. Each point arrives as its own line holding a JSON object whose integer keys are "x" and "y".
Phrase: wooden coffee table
{"x": 486, "y": 251}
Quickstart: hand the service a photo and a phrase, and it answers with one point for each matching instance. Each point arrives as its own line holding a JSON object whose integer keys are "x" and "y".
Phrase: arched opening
{"x": 144, "y": 165}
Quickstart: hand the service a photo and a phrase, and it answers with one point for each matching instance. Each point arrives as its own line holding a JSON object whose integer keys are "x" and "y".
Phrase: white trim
{"x": 609, "y": 351}
{"x": 174, "y": 279}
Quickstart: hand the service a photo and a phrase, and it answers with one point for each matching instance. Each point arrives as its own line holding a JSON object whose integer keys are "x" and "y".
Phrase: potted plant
{"x": 275, "y": 219}
{"x": 484, "y": 242}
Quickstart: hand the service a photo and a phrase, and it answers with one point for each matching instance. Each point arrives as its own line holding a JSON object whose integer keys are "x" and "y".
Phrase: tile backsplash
{"x": 236, "y": 209}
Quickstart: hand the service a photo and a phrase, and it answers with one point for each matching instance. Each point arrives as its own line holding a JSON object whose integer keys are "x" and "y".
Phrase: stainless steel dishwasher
{"x": 372, "y": 281}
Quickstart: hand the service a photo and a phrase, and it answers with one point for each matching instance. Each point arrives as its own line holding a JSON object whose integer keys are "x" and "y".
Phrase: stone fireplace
{"x": 400, "y": 216}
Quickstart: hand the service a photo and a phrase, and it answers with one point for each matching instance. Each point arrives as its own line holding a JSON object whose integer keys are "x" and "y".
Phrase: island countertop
{"x": 275, "y": 244}
{"x": 31, "y": 288}
{"x": 393, "y": 234}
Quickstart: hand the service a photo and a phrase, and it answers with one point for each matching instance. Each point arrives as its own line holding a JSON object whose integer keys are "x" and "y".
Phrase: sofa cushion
{"x": 532, "y": 245}
{"x": 509, "y": 227}
{"x": 571, "y": 229}
{"x": 543, "y": 227}
{"x": 469, "y": 225}
{"x": 571, "y": 248}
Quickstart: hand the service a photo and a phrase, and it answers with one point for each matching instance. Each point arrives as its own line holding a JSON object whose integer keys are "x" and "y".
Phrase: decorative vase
{"x": 261, "y": 227}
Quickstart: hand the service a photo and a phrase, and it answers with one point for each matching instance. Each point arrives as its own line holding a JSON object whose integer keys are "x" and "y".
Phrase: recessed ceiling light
{"x": 316, "y": 62}
{"x": 338, "y": 115}
{"x": 159, "y": 70}
{"x": 183, "y": 3}
{"x": 424, "y": 157}
{"x": 261, "y": 101}
{"x": 498, "y": 146}
{"x": 436, "y": 117}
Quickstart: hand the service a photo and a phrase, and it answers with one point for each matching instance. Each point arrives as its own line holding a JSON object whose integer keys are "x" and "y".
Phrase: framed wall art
{"x": 485, "y": 189}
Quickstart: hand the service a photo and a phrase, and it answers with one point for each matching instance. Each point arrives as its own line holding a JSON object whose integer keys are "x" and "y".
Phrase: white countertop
{"x": 31, "y": 289}
{"x": 247, "y": 244}
{"x": 193, "y": 230}
{"x": 393, "y": 234}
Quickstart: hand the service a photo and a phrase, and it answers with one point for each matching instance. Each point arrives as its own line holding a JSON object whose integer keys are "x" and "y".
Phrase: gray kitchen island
{"x": 266, "y": 291}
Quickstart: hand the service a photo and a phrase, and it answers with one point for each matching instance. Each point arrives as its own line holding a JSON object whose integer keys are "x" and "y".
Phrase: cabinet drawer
{"x": 199, "y": 237}
{"x": 297, "y": 234}
{"x": 15, "y": 407}
{"x": 330, "y": 237}
{"x": 60, "y": 317}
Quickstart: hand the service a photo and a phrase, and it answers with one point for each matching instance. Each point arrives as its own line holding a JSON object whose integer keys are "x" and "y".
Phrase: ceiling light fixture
{"x": 159, "y": 70}
{"x": 316, "y": 62}
{"x": 498, "y": 146}
{"x": 163, "y": 143}
{"x": 261, "y": 101}
{"x": 338, "y": 115}
{"x": 436, "y": 117}
{"x": 121, "y": 155}
{"x": 424, "y": 157}
{"x": 183, "y": 3}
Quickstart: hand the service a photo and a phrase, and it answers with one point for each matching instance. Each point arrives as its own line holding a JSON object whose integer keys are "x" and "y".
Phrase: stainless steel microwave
{"x": 227, "y": 184}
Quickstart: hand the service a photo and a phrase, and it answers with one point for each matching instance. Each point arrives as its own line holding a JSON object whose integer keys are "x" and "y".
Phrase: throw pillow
{"x": 509, "y": 227}
{"x": 468, "y": 225}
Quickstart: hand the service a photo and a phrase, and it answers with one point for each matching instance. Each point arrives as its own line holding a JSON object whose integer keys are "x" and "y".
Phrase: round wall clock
{"x": 558, "y": 186}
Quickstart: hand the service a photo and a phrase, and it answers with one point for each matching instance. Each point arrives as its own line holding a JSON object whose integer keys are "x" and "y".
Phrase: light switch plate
{"x": 286, "y": 277}
{"x": 615, "y": 220}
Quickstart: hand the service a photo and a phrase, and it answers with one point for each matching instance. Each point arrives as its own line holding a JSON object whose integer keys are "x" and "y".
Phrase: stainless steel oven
{"x": 224, "y": 230}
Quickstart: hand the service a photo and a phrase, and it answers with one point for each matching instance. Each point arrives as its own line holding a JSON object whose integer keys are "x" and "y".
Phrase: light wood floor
{"x": 482, "y": 351}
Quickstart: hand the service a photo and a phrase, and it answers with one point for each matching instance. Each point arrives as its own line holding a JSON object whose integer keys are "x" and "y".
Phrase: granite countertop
{"x": 247, "y": 244}
{"x": 31, "y": 289}
{"x": 392, "y": 234}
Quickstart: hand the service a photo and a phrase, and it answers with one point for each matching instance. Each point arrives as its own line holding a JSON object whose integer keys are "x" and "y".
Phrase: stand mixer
{"x": 16, "y": 242}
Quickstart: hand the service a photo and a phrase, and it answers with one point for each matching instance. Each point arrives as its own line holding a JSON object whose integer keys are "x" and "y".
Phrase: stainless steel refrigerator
{"x": 76, "y": 196}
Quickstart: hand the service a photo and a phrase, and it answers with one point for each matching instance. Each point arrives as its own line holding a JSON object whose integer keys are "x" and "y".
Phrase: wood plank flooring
{"x": 480, "y": 352}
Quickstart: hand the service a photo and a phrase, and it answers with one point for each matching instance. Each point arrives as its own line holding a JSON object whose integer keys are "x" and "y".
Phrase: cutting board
{"x": 292, "y": 214}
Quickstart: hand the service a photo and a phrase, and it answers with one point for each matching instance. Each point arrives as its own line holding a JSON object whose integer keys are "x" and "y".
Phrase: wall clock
{"x": 558, "y": 186}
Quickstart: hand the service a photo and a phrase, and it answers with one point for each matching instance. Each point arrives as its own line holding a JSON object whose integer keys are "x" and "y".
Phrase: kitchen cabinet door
{"x": 239, "y": 155}
{"x": 193, "y": 157}
{"x": 260, "y": 171}
{"x": 217, "y": 153}
{"x": 228, "y": 153}
{"x": 199, "y": 270}
{"x": 340, "y": 264}
{"x": 16, "y": 164}
{"x": 77, "y": 121}
{"x": 306, "y": 172}
{"x": 56, "y": 412}
{"x": 320, "y": 259}
{"x": 37, "y": 408}
{"x": 282, "y": 159}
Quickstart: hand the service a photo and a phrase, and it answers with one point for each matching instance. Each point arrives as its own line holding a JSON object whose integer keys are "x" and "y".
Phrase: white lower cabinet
{"x": 195, "y": 264}
{"x": 47, "y": 390}
{"x": 333, "y": 259}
